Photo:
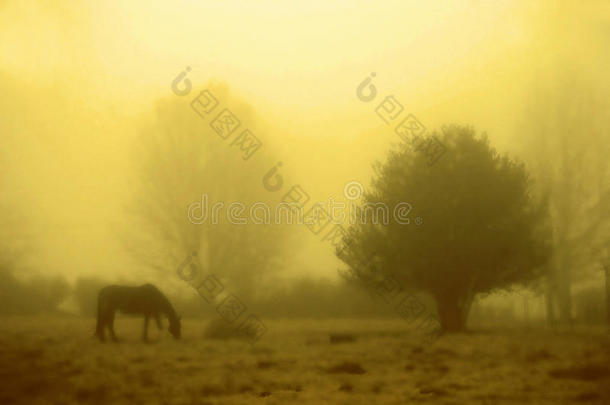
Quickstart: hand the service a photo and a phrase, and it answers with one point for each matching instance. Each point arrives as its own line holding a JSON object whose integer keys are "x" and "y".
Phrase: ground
{"x": 58, "y": 361}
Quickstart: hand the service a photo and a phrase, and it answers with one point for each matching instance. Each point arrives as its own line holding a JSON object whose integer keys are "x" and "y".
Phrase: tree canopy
{"x": 482, "y": 227}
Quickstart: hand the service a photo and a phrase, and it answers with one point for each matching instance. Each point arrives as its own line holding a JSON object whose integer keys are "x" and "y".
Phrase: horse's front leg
{"x": 145, "y": 331}
{"x": 111, "y": 326}
{"x": 158, "y": 319}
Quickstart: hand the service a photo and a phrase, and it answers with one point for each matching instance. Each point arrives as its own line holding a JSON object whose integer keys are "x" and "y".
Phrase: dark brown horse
{"x": 146, "y": 300}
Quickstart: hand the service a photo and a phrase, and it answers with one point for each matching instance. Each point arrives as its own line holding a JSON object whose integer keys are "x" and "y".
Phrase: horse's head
{"x": 175, "y": 328}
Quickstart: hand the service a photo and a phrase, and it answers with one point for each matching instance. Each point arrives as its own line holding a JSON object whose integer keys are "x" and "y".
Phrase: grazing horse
{"x": 145, "y": 299}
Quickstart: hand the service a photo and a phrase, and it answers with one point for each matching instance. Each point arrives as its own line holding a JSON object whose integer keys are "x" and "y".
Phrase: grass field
{"x": 57, "y": 360}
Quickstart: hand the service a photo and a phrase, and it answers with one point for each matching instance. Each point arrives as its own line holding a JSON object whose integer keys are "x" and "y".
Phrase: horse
{"x": 145, "y": 299}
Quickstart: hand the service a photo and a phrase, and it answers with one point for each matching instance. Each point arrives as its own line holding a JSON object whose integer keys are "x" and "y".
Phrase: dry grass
{"x": 58, "y": 361}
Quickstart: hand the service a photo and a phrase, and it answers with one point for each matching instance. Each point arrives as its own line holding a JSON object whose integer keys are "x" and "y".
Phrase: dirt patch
{"x": 347, "y": 367}
{"x": 437, "y": 392}
{"x": 213, "y": 390}
{"x": 587, "y": 372}
{"x": 346, "y": 387}
{"x": 538, "y": 356}
{"x": 588, "y": 397}
{"x": 336, "y": 338}
{"x": 265, "y": 365}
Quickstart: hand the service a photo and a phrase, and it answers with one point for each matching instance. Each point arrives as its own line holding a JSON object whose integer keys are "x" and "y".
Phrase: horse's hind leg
{"x": 159, "y": 324}
{"x": 111, "y": 326}
{"x": 145, "y": 330}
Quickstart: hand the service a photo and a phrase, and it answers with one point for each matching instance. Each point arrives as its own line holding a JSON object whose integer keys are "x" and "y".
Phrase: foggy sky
{"x": 81, "y": 79}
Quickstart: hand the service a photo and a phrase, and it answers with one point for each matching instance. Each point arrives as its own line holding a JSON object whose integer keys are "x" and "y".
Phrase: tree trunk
{"x": 453, "y": 310}
{"x": 550, "y": 300}
{"x": 526, "y": 311}
{"x": 561, "y": 286}
{"x": 550, "y": 311}
{"x": 565, "y": 300}
{"x": 607, "y": 276}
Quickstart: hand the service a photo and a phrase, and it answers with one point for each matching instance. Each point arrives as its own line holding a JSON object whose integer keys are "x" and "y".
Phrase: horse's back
{"x": 142, "y": 299}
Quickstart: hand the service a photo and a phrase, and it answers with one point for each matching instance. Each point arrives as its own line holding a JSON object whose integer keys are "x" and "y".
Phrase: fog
{"x": 80, "y": 78}
{"x": 99, "y": 161}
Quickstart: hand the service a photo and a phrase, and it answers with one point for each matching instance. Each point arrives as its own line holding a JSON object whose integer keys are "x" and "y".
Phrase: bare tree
{"x": 566, "y": 143}
{"x": 181, "y": 161}
{"x": 568, "y": 148}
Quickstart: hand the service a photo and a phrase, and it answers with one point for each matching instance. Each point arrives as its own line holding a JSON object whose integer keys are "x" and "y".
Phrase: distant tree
{"x": 45, "y": 294}
{"x": 564, "y": 139}
{"x": 37, "y": 295}
{"x": 179, "y": 158}
{"x": 85, "y": 294}
{"x": 10, "y": 290}
{"x": 482, "y": 229}
{"x": 589, "y": 305}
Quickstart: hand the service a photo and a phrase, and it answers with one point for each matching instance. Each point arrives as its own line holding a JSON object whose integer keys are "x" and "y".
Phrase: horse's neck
{"x": 169, "y": 310}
